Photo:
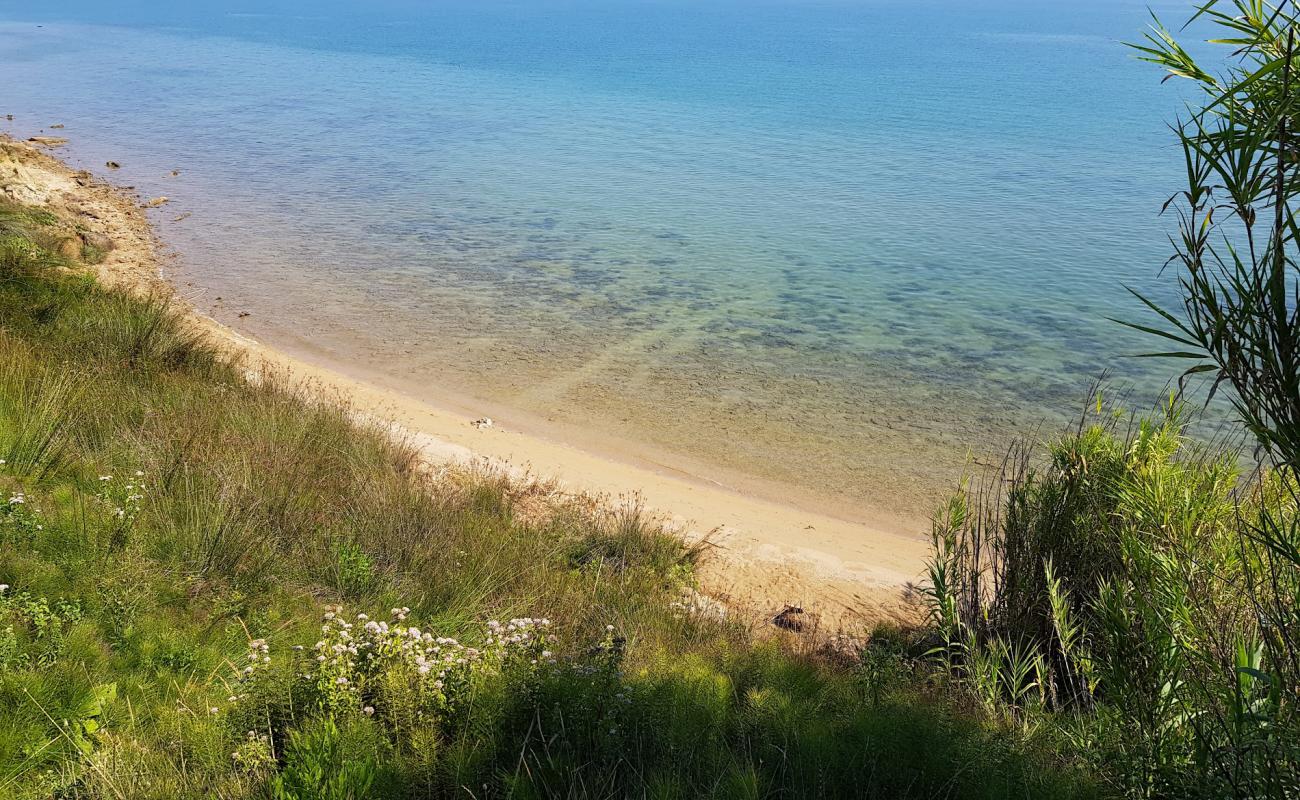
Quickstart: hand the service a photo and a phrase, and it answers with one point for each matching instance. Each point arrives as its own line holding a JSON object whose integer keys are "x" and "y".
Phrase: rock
{"x": 243, "y": 314}
{"x": 48, "y": 141}
{"x": 183, "y": 217}
{"x": 790, "y": 619}
{"x": 97, "y": 240}
{"x": 70, "y": 248}
{"x": 482, "y": 423}
{"x": 112, "y": 165}
{"x": 175, "y": 172}
{"x": 56, "y": 126}
{"x": 157, "y": 201}
{"x": 9, "y": 117}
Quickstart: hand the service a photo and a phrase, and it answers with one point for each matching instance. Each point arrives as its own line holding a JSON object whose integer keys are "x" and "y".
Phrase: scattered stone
{"x": 56, "y": 126}
{"x": 97, "y": 240}
{"x": 184, "y": 216}
{"x": 70, "y": 248}
{"x": 48, "y": 141}
{"x": 482, "y": 423}
{"x": 175, "y": 172}
{"x": 157, "y": 201}
{"x": 789, "y": 619}
{"x": 243, "y": 314}
{"x": 112, "y": 165}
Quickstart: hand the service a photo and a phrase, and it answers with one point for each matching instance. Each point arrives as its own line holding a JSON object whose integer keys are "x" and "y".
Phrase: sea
{"x": 835, "y": 252}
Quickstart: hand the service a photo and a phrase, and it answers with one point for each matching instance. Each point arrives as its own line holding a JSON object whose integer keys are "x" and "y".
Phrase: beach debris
{"x": 157, "y": 201}
{"x": 48, "y": 141}
{"x": 112, "y": 165}
{"x": 789, "y": 619}
{"x": 184, "y": 216}
{"x": 56, "y": 126}
{"x": 483, "y": 423}
{"x": 243, "y": 314}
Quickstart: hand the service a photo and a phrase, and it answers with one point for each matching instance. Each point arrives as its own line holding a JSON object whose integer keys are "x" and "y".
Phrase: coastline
{"x": 763, "y": 553}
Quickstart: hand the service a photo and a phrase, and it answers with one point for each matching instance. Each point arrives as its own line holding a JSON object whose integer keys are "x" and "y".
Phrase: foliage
{"x": 1237, "y": 240}
{"x": 173, "y": 528}
{"x": 1112, "y": 594}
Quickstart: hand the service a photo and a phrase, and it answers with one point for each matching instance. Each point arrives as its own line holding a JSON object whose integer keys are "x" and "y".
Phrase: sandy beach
{"x": 762, "y": 553}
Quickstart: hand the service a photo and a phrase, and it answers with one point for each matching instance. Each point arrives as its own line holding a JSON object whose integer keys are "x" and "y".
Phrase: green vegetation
{"x": 213, "y": 585}
{"x": 1136, "y": 598}
{"x": 1119, "y": 601}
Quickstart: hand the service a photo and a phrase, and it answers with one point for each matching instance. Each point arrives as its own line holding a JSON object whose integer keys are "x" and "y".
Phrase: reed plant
{"x": 1153, "y": 584}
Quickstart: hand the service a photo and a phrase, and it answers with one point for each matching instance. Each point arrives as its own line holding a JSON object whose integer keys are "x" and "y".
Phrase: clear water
{"x": 825, "y": 248}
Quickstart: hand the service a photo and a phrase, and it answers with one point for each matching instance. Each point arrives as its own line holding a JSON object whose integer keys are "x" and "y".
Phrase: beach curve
{"x": 762, "y": 554}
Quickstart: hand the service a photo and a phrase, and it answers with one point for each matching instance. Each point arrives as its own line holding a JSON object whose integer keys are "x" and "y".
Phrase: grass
{"x": 1123, "y": 597}
{"x": 171, "y": 530}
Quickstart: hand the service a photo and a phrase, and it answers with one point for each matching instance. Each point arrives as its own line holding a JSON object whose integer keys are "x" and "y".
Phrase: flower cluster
{"x": 20, "y": 521}
{"x": 255, "y": 754}
{"x": 256, "y": 661}
{"x": 371, "y": 666}
{"x": 125, "y": 498}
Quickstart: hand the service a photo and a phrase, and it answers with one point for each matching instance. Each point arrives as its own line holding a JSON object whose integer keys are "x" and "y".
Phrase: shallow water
{"x": 832, "y": 246}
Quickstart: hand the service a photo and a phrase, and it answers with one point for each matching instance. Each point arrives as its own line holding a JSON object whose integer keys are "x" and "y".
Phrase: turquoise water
{"x": 823, "y": 247}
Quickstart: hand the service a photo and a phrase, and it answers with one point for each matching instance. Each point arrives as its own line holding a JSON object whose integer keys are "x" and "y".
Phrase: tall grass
{"x": 176, "y": 541}
{"x": 1112, "y": 592}
{"x": 1139, "y": 591}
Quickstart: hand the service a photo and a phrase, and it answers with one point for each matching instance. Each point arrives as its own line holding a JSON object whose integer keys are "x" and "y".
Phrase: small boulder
{"x": 482, "y": 423}
{"x": 157, "y": 201}
{"x": 56, "y": 126}
{"x": 112, "y": 165}
{"x": 70, "y": 248}
{"x": 791, "y": 619}
{"x": 99, "y": 241}
{"x": 48, "y": 141}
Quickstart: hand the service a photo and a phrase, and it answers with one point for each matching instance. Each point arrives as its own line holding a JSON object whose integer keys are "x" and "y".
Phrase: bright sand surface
{"x": 762, "y": 554}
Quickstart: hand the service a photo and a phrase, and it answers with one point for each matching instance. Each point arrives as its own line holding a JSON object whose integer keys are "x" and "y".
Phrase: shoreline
{"x": 764, "y": 553}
